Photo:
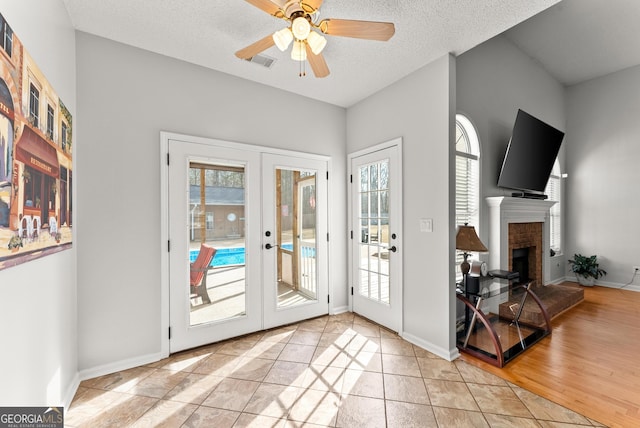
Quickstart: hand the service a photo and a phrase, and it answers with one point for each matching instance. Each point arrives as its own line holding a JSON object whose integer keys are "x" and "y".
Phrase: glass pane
{"x": 373, "y": 171}
{"x": 384, "y": 288}
{"x": 216, "y": 227}
{"x": 374, "y": 232}
{"x": 296, "y": 237}
{"x": 364, "y": 179}
{"x": 384, "y": 175}
{"x": 364, "y": 205}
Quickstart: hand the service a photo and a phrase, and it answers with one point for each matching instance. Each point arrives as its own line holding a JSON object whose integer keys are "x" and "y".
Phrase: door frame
{"x": 397, "y": 143}
{"x": 165, "y": 137}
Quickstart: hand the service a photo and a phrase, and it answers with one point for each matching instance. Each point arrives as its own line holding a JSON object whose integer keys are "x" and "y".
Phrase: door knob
{"x": 394, "y": 249}
{"x": 269, "y": 246}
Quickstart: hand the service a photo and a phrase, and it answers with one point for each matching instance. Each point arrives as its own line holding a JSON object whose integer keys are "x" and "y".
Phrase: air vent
{"x": 263, "y": 60}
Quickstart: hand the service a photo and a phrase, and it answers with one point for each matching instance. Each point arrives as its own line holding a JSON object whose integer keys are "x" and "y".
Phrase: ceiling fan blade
{"x": 317, "y": 63}
{"x": 255, "y": 48}
{"x": 370, "y": 30}
{"x": 271, "y": 7}
{"x": 311, "y": 5}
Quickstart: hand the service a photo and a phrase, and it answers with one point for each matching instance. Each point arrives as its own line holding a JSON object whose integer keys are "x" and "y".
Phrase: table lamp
{"x": 467, "y": 241}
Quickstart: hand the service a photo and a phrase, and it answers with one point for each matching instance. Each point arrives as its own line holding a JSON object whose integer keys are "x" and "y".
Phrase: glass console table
{"x": 493, "y": 335}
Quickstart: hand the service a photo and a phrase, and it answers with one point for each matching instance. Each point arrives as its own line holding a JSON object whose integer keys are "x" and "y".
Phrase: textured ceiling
{"x": 577, "y": 40}
{"x": 208, "y": 32}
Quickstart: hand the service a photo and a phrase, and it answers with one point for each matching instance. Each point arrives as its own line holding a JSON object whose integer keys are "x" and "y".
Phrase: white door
{"x": 213, "y": 200}
{"x": 294, "y": 238}
{"x": 376, "y": 224}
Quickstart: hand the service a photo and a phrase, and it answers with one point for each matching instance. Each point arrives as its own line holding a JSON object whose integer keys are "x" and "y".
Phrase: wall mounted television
{"x": 530, "y": 156}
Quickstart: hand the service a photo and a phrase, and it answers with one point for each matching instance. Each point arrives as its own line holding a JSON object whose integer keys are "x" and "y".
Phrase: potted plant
{"x": 15, "y": 243}
{"x": 586, "y": 269}
{"x": 58, "y": 237}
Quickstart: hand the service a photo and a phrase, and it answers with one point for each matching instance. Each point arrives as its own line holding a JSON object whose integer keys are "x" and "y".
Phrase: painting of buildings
{"x": 36, "y": 173}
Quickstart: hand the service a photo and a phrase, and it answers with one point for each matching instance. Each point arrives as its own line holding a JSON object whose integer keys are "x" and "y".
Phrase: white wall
{"x": 420, "y": 108}
{"x": 38, "y": 299}
{"x": 603, "y": 148}
{"x": 126, "y": 96}
{"x": 493, "y": 81}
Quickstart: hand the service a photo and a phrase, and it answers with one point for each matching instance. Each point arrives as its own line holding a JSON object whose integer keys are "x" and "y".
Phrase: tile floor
{"x": 341, "y": 371}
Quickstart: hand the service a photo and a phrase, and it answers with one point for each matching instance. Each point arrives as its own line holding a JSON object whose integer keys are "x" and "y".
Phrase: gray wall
{"x": 493, "y": 81}
{"x": 420, "y": 108}
{"x": 126, "y": 96}
{"x": 603, "y": 148}
{"x": 38, "y": 299}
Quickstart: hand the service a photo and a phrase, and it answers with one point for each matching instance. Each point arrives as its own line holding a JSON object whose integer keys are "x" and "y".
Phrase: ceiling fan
{"x": 303, "y": 29}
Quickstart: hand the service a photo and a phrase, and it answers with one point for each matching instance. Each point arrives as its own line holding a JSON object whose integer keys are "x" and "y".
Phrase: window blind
{"x": 467, "y": 179}
{"x": 553, "y": 192}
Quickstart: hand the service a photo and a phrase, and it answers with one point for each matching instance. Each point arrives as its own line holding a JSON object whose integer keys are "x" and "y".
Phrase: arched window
{"x": 467, "y": 177}
{"x": 553, "y": 191}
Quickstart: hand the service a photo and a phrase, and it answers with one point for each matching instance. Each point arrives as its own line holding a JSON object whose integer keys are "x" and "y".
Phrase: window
{"x": 6, "y": 36}
{"x": 50, "y": 118}
{"x": 553, "y": 191}
{"x": 34, "y": 105}
{"x": 467, "y": 176}
{"x": 63, "y": 134}
{"x": 32, "y": 188}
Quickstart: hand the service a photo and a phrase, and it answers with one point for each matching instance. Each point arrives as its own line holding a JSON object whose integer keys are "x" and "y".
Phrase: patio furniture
{"x": 36, "y": 227}
{"x": 198, "y": 273}
{"x": 25, "y": 230}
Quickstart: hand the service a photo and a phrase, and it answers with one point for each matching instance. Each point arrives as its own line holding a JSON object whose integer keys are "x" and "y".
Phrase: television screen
{"x": 530, "y": 155}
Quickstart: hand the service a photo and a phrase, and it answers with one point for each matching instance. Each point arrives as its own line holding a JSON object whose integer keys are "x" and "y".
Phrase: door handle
{"x": 269, "y": 246}
{"x": 394, "y": 249}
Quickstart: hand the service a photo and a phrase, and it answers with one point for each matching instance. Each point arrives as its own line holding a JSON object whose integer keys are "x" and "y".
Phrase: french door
{"x": 260, "y": 215}
{"x": 213, "y": 192}
{"x": 294, "y": 238}
{"x": 376, "y": 224}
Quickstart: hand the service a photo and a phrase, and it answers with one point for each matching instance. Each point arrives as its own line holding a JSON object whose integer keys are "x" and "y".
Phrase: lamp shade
{"x": 283, "y": 38}
{"x": 300, "y": 28}
{"x": 298, "y": 51}
{"x": 316, "y": 42}
{"x": 467, "y": 240}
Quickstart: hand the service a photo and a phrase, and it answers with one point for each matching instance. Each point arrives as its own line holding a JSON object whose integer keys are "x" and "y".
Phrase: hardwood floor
{"x": 591, "y": 361}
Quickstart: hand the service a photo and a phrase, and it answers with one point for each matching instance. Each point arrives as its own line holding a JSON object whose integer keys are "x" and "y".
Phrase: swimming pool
{"x": 223, "y": 256}
{"x": 235, "y": 255}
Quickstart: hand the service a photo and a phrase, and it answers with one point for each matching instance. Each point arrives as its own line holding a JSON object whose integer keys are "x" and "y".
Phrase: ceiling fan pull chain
{"x": 301, "y": 67}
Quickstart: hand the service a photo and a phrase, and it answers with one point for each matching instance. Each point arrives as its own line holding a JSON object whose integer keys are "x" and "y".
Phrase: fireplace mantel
{"x": 504, "y": 210}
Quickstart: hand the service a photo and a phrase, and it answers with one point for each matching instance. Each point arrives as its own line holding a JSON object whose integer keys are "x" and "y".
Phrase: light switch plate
{"x": 426, "y": 225}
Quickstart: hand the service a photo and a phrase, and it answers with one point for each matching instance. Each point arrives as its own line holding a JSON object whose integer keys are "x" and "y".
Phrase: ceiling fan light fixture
{"x": 299, "y": 51}
{"x": 316, "y": 42}
{"x": 283, "y": 38}
{"x": 300, "y": 28}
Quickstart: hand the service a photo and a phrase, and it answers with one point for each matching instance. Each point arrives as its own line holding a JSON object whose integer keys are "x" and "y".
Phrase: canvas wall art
{"x": 36, "y": 152}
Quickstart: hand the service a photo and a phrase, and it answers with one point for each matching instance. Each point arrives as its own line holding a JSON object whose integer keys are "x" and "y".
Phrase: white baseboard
{"x": 631, "y": 287}
{"x": 71, "y": 391}
{"x": 608, "y": 284}
{"x": 119, "y": 366}
{"x": 339, "y": 310}
{"x": 448, "y": 355}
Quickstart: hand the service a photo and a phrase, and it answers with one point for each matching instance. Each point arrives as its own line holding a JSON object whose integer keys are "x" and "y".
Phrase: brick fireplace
{"x": 525, "y": 250}
{"x": 518, "y": 223}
